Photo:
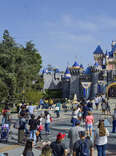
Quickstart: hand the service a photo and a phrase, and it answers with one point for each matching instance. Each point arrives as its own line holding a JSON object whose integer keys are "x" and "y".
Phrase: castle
{"x": 97, "y": 79}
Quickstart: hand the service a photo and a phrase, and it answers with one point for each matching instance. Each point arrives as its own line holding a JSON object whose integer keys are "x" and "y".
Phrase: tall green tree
{"x": 19, "y": 68}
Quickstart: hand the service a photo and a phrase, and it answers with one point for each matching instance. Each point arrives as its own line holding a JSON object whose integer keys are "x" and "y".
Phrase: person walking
{"x": 21, "y": 128}
{"x": 74, "y": 116}
{"x": 114, "y": 121}
{"x": 33, "y": 128}
{"x": 5, "y": 114}
{"x": 89, "y": 120}
{"x": 31, "y": 108}
{"x": 101, "y": 138}
{"x": 39, "y": 128}
{"x": 28, "y": 148}
{"x": 108, "y": 108}
{"x": 73, "y": 134}
{"x": 58, "y": 148}
{"x": 47, "y": 122}
{"x": 83, "y": 146}
{"x": 103, "y": 106}
{"x": 97, "y": 102}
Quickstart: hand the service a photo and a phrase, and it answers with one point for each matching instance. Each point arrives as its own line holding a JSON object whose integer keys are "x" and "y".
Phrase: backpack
{"x": 83, "y": 148}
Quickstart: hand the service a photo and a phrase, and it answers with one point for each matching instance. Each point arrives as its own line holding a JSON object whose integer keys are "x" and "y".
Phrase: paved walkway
{"x": 62, "y": 124}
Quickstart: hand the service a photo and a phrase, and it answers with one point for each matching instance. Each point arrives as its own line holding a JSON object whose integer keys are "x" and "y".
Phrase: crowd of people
{"x": 82, "y": 137}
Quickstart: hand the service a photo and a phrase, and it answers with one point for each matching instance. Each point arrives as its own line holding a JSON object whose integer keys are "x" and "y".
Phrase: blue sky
{"x": 62, "y": 30}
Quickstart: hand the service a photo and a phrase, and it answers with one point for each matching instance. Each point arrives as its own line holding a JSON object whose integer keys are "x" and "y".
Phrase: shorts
{"x": 96, "y": 104}
{"x": 89, "y": 126}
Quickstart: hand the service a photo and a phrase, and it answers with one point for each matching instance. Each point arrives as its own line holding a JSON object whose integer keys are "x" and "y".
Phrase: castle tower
{"x": 98, "y": 55}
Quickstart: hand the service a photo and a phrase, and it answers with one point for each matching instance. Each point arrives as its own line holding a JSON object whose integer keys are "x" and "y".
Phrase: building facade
{"x": 97, "y": 79}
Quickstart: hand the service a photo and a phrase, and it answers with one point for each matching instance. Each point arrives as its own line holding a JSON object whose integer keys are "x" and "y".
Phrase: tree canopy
{"x": 19, "y": 69}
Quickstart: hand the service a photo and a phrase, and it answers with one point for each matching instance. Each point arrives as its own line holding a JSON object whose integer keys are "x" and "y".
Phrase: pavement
{"x": 61, "y": 124}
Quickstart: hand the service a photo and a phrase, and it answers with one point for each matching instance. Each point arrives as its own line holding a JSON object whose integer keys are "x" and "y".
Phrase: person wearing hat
{"x": 58, "y": 148}
{"x": 83, "y": 146}
{"x": 73, "y": 134}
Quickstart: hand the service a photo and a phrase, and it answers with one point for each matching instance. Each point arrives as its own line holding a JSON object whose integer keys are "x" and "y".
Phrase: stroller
{"x": 4, "y": 133}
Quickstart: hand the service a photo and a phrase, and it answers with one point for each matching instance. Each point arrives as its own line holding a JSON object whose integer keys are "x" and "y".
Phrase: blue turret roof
{"x": 88, "y": 70}
{"x": 98, "y": 50}
{"x": 76, "y": 65}
{"x": 67, "y": 73}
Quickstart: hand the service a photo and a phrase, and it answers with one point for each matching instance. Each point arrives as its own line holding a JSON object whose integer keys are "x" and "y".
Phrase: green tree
{"x": 19, "y": 68}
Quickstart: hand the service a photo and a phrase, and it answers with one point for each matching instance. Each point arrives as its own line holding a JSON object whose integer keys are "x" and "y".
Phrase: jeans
{"x": 47, "y": 127}
{"x": 114, "y": 126}
{"x": 33, "y": 135}
{"x": 101, "y": 149}
{"x": 3, "y": 120}
{"x": 73, "y": 122}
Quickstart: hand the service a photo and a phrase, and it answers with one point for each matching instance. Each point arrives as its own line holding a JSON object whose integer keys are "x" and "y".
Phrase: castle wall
{"x": 94, "y": 86}
{"x": 74, "y": 86}
{"x": 66, "y": 88}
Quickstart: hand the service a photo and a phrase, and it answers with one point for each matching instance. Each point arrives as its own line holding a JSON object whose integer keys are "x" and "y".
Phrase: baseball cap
{"x": 60, "y": 136}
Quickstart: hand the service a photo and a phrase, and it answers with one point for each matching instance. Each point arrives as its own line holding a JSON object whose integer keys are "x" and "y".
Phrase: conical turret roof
{"x": 67, "y": 73}
{"x": 98, "y": 50}
{"x": 76, "y": 65}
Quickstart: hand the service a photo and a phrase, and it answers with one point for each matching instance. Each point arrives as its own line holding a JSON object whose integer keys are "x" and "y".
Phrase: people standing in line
{"x": 114, "y": 122}
{"x": 58, "y": 148}
{"x": 47, "y": 122}
{"x": 83, "y": 146}
{"x": 89, "y": 120}
{"x": 73, "y": 134}
{"x": 28, "y": 148}
{"x": 97, "y": 102}
{"x": 33, "y": 128}
{"x": 101, "y": 138}
{"x": 46, "y": 151}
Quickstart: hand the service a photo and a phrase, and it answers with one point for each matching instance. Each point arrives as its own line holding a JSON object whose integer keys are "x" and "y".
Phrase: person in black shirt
{"x": 33, "y": 128}
{"x": 58, "y": 148}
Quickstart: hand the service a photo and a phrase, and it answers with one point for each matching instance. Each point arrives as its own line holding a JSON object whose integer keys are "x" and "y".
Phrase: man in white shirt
{"x": 31, "y": 108}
